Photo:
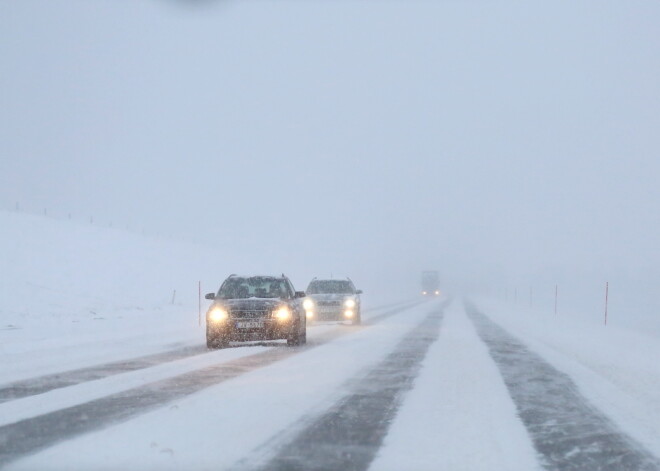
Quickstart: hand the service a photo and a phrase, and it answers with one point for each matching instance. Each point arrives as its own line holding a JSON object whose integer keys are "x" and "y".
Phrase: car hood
{"x": 331, "y": 297}
{"x": 250, "y": 304}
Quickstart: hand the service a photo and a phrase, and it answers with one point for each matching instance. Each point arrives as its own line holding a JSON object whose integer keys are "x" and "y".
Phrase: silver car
{"x": 332, "y": 300}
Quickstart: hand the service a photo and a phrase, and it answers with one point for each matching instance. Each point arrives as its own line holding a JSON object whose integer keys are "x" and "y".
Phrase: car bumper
{"x": 242, "y": 329}
{"x": 331, "y": 314}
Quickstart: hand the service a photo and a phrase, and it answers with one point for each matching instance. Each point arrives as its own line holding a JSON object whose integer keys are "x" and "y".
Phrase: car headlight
{"x": 308, "y": 304}
{"x": 349, "y": 303}
{"x": 283, "y": 313}
{"x": 218, "y": 314}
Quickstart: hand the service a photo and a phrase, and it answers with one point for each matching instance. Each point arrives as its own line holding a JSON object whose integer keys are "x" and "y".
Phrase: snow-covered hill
{"x": 53, "y": 269}
{"x": 65, "y": 284}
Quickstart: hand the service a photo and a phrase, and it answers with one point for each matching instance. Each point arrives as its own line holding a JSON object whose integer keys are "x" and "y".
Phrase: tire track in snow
{"x": 568, "y": 432}
{"x": 350, "y": 433}
{"x": 43, "y": 384}
{"x": 31, "y": 435}
{"x": 380, "y": 317}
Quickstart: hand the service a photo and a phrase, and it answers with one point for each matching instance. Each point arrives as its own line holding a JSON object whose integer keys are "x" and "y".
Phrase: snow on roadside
{"x": 75, "y": 295}
{"x": 616, "y": 369}
{"x": 459, "y": 415}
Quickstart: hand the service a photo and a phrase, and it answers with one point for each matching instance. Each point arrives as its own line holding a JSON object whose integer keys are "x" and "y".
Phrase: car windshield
{"x": 253, "y": 287}
{"x": 330, "y": 287}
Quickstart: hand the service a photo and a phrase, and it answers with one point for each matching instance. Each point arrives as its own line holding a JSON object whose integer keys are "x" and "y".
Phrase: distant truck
{"x": 430, "y": 283}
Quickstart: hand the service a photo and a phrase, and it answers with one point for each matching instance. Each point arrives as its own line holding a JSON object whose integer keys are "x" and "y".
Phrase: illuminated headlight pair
{"x": 218, "y": 314}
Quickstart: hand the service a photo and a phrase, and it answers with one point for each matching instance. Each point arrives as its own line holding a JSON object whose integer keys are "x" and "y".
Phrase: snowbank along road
{"x": 421, "y": 385}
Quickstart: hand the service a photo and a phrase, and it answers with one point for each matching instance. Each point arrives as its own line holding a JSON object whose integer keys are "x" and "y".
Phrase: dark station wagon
{"x": 255, "y": 308}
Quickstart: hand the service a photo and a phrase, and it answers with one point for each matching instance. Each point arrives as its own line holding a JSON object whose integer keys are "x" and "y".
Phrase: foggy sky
{"x": 484, "y": 139}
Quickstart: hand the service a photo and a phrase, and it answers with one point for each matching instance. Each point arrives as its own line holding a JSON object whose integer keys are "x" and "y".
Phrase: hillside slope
{"x": 65, "y": 284}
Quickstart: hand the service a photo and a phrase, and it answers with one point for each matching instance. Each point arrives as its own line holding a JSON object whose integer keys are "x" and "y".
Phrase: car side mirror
{"x": 300, "y": 294}
{"x": 210, "y": 296}
{"x": 358, "y": 291}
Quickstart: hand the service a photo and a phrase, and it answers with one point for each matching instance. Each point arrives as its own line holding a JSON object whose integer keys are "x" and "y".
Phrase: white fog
{"x": 152, "y": 148}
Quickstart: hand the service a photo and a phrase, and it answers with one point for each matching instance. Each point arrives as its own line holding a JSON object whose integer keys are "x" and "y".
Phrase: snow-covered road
{"x": 568, "y": 432}
{"x": 418, "y": 386}
{"x": 38, "y": 421}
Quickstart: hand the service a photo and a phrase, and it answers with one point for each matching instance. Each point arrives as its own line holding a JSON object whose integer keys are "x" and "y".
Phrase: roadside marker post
{"x": 199, "y": 311}
{"x": 607, "y": 292}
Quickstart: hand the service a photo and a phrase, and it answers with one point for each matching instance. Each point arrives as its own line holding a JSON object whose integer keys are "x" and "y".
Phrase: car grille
{"x": 329, "y": 303}
{"x": 249, "y": 314}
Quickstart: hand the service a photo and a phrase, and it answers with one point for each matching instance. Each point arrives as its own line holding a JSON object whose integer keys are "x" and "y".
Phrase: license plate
{"x": 249, "y": 325}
